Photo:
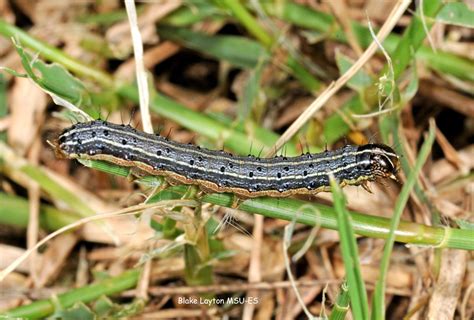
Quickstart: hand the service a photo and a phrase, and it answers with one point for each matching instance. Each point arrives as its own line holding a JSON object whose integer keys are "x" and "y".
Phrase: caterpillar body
{"x": 219, "y": 171}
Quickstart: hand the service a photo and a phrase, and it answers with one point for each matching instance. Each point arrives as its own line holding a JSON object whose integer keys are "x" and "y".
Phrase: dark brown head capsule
{"x": 382, "y": 159}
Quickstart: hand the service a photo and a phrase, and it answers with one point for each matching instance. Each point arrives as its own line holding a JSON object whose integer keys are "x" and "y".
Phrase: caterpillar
{"x": 219, "y": 171}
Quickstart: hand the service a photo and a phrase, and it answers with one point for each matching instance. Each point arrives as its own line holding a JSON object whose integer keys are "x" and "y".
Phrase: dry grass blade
{"x": 142, "y": 80}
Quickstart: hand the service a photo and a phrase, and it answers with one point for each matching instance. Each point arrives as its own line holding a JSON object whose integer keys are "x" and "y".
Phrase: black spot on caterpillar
{"x": 219, "y": 171}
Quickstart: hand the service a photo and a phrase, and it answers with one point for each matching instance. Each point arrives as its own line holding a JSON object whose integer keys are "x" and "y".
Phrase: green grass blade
{"x": 193, "y": 11}
{"x": 14, "y": 211}
{"x": 3, "y": 103}
{"x": 248, "y": 102}
{"x": 378, "y": 305}
{"x": 106, "y": 19}
{"x": 221, "y": 47}
{"x": 44, "y": 308}
{"x": 360, "y": 81}
{"x": 335, "y": 126}
{"x": 341, "y": 306}
{"x": 363, "y": 224}
{"x": 248, "y": 21}
{"x": 54, "y": 54}
{"x": 456, "y": 13}
{"x": 54, "y": 78}
{"x": 413, "y": 37}
{"x": 300, "y": 72}
{"x": 107, "y": 167}
{"x": 350, "y": 255}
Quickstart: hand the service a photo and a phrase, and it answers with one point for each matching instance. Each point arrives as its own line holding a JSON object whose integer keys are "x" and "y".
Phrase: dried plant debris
{"x": 101, "y": 239}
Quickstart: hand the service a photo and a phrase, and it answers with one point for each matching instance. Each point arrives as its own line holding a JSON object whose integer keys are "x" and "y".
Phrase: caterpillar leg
{"x": 365, "y": 185}
{"x": 236, "y": 201}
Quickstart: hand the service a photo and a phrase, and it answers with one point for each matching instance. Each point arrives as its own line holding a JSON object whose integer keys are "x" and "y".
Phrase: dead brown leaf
{"x": 27, "y": 105}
